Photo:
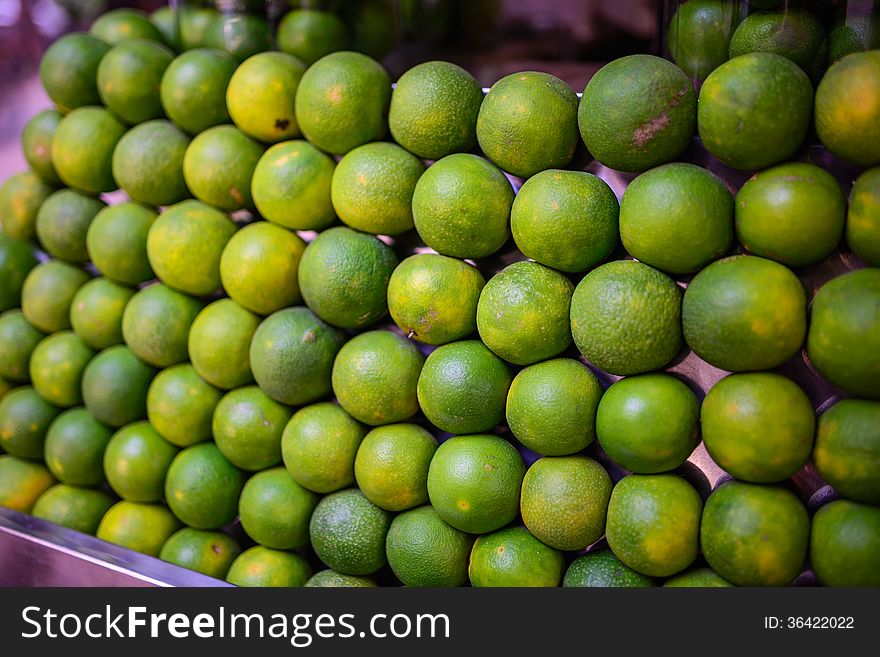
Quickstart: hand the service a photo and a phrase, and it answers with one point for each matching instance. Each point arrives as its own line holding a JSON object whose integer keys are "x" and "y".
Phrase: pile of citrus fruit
{"x": 339, "y": 335}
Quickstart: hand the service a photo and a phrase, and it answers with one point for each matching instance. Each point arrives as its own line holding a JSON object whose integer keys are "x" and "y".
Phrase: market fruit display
{"x": 327, "y": 333}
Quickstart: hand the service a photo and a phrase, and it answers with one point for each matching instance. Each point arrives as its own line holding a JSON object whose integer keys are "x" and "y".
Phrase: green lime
{"x": 564, "y": 500}
{"x": 342, "y": 101}
{"x": 117, "y": 242}
{"x": 148, "y": 163}
{"x": 699, "y": 32}
{"x": 637, "y": 112}
{"x": 129, "y": 77}
{"x": 463, "y": 387}
{"x": 754, "y": 535}
{"x": 136, "y": 461}
{"x": 523, "y": 311}
{"x": 677, "y": 218}
{"x": 180, "y": 405}
{"x": 551, "y": 406}
{"x": 292, "y": 354}
{"x": 36, "y": 144}
{"x": 48, "y": 292}
{"x": 156, "y": 324}
{"x": 207, "y": 552}
{"x": 565, "y": 219}
{"x": 348, "y": 532}
{"x": 474, "y": 482}
{"x": 275, "y": 510}
{"x": 22, "y": 482}
{"x": 56, "y": 368}
{"x": 601, "y": 569}
{"x": 375, "y": 376}
{"x": 25, "y": 417}
{"x": 434, "y": 110}
{"x": 218, "y": 166}
{"x": 21, "y": 197}
{"x": 319, "y": 446}
{"x": 648, "y": 423}
{"x": 115, "y": 385}
{"x": 140, "y": 527}
{"x": 185, "y": 244}
{"x": 80, "y": 509}
{"x": 82, "y": 149}
{"x": 847, "y": 450}
{"x": 261, "y": 93}
{"x": 461, "y": 206}
{"x": 310, "y": 34}
{"x": 391, "y": 466}
{"x": 69, "y": 70}
{"x": 754, "y": 110}
{"x": 202, "y": 487}
{"x": 863, "y": 218}
{"x": 698, "y": 578}
{"x": 247, "y": 427}
{"x": 344, "y": 277}
{"x": 853, "y": 34}
{"x": 331, "y": 579}
{"x": 17, "y": 342}
{"x": 625, "y": 318}
{"x": 120, "y": 25}
{"x": 513, "y": 557}
{"x": 528, "y": 123}
{"x": 654, "y": 523}
{"x": 844, "y": 339}
{"x": 433, "y": 298}
{"x": 291, "y": 186}
{"x": 758, "y": 426}
{"x": 74, "y": 449}
{"x": 744, "y": 313}
{"x": 17, "y": 259}
{"x": 792, "y": 213}
{"x": 219, "y": 344}
{"x": 241, "y": 35}
{"x": 193, "y": 89}
{"x": 96, "y": 312}
{"x": 373, "y": 187}
{"x": 845, "y": 544}
{"x": 193, "y": 25}
{"x": 424, "y": 551}
{"x": 259, "y": 267}
{"x": 797, "y": 34}
{"x": 63, "y": 222}
{"x": 261, "y": 566}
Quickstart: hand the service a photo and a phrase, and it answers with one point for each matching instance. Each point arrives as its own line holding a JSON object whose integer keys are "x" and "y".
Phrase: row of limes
{"x": 208, "y": 424}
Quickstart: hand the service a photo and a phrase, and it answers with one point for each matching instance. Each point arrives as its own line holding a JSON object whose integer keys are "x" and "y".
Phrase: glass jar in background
{"x": 700, "y": 35}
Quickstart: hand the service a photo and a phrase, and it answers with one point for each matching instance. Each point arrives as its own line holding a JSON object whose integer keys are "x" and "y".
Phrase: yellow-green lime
{"x": 74, "y": 449}
{"x": 513, "y": 557}
{"x": 202, "y": 487}
{"x": 463, "y": 387}
{"x": 17, "y": 342}
{"x": 80, "y": 509}
{"x": 25, "y": 417}
{"x": 69, "y": 70}
{"x": 120, "y": 25}
{"x": 96, "y": 312}
{"x": 219, "y": 344}
{"x": 115, "y": 385}
{"x": 36, "y": 144}
{"x": 319, "y": 446}
{"x": 57, "y": 366}
{"x": 391, "y": 467}
{"x": 601, "y": 569}
{"x": 82, "y": 149}
{"x": 847, "y": 449}
{"x": 136, "y": 461}
{"x": 156, "y": 324}
{"x": 309, "y": 34}
{"x": 522, "y": 313}
{"x": 140, "y": 527}
{"x": 207, "y": 552}
{"x": 129, "y": 77}
{"x": 291, "y": 186}
{"x": 17, "y": 259}
{"x": 194, "y": 23}
{"x": 701, "y": 578}
{"x": 63, "y": 222}
{"x": 275, "y": 510}
{"x": 259, "y": 267}
{"x": 260, "y": 566}
{"x": 863, "y": 217}
{"x": 794, "y": 33}
{"x": 193, "y": 89}
{"x": 331, "y": 579}
{"x": 48, "y": 292}
{"x": 21, "y": 197}
{"x": 22, "y": 482}
{"x": 424, "y": 551}
{"x": 461, "y": 206}
{"x": 180, "y": 405}
{"x": 218, "y": 166}
{"x": 247, "y": 427}
{"x": 117, "y": 242}
{"x": 148, "y": 163}
{"x": 242, "y": 35}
